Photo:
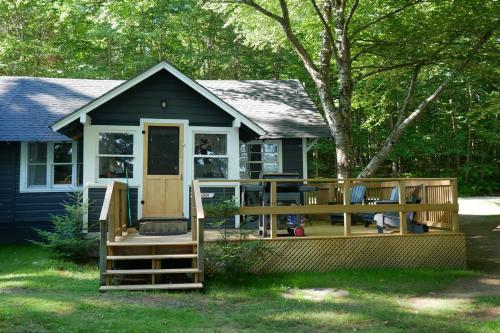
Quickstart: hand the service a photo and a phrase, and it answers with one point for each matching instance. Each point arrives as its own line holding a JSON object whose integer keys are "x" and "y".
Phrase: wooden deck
{"x": 317, "y": 229}
{"x": 179, "y": 261}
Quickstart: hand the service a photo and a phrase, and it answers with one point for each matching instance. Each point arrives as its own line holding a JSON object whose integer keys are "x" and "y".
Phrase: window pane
{"x": 270, "y": 148}
{"x": 114, "y": 167}
{"x": 210, "y": 167}
{"x": 37, "y": 152}
{"x": 210, "y": 144}
{"x": 270, "y": 167}
{"x": 62, "y": 174}
{"x": 62, "y": 152}
{"x": 116, "y": 143}
{"x": 37, "y": 175}
{"x": 270, "y": 157}
{"x": 163, "y": 150}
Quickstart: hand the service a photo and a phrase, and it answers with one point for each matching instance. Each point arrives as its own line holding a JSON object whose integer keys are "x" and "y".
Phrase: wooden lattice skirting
{"x": 326, "y": 254}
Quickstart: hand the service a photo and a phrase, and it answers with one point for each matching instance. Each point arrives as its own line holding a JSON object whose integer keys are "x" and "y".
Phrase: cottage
{"x": 152, "y": 131}
{"x": 151, "y": 151}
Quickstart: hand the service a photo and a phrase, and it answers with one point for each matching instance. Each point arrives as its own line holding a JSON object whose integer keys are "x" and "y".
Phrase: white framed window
{"x": 260, "y": 156}
{"x": 115, "y": 154}
{"x": 50, "y": 166}
{"x": 210, "y": 155}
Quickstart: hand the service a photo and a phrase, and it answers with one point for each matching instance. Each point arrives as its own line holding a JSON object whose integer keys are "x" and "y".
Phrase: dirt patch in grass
{"x": 165, "y": 300}
{"x": 487, "y": 314}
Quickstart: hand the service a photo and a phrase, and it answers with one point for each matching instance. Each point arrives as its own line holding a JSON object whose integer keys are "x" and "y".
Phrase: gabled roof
{"x": 281, "y": 107}
{"x": 163, "y": 65}
{"x": 29, "y": 105}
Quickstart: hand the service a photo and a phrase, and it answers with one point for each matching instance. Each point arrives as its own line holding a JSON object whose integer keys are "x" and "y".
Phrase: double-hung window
{"x": 115, "y": 155}
{"x": 50, "y": 166}
{"x": 211, "y": 158}
{"x": 259, "y": 156}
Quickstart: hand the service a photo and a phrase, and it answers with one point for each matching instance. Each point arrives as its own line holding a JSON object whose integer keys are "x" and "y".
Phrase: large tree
{"x": 341, "y": 43}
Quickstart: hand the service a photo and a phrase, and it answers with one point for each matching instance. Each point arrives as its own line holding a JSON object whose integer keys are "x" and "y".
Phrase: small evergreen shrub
{"x": 232, "y": 253}
{"x": 67, "y": 240}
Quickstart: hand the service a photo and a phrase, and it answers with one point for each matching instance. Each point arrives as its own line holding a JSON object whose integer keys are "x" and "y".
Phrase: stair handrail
{"x": 197, "y": 225}
{"x": 113, "y": 220}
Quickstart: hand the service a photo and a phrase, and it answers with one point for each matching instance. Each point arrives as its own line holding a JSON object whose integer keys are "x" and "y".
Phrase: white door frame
{"x": 140, "y": 157}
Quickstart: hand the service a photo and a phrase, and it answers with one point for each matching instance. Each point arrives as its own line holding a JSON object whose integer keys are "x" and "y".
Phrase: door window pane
{"x": 116, "y": 144}
{"x": 62, "y": 174}
{"x": 210, "y": 167}
{"x": 37, "y": 175}
{"x": 210, "y": 144}
{"x": 37, "y": 152}
{"x": 163, "y": 150}
{"x": 62, "y": 152}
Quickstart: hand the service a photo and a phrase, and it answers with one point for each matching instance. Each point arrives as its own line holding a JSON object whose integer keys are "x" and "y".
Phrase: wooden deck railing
{"x": 113, "y": 220}
{"x": 438, "y": 205}
{"x": 197, "y": 225}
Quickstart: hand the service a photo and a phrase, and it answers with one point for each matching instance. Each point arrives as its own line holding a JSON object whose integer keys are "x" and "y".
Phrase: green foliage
{"x": 232, "y": 253}
{"x": 67, "y": 241}
{"x": 215, "y": 40}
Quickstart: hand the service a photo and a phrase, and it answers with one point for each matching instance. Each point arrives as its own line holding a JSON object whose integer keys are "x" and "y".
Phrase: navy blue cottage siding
{"x": 144, "y": 101}
{"x": 21, "y": 212}
{"x": 292, "y": 156}
{"x": 96, "y": 198}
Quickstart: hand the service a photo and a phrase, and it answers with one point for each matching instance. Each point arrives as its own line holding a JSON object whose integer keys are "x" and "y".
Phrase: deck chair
{"x": 357, "y": 197}
{"x": 394, "y": 198}
{"x": 389, "y": 220}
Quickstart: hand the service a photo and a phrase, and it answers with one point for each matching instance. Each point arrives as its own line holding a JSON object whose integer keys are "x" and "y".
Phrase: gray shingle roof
{"x": 29, "y": 105}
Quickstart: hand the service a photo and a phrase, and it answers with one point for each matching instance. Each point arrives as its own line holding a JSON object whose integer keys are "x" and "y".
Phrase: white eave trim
{"x": 153, "y": 70}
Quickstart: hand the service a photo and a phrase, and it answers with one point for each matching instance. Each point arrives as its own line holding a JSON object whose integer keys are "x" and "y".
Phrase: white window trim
{"x": 91, "y": 154}
{"x": 232, "y": 138}
{"x": 276, "y": 142}
{"x": 50, "y": 187}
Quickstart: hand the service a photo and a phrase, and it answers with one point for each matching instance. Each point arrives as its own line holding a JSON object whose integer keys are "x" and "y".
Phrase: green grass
{"x": 42, "y": 295}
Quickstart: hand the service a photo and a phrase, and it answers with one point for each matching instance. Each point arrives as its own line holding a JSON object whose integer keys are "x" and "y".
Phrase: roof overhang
{"x": 164, "y": 65}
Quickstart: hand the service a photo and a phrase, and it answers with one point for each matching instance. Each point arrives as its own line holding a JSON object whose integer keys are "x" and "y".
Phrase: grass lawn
{"x": 42, "y": 295}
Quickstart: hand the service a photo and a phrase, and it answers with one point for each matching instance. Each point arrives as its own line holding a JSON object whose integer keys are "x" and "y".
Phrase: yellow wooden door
{"x": 163, "y": 170}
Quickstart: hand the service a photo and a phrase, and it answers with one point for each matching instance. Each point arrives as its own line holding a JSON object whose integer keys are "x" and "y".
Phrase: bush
{"x": 67, "y": 240}
{"x": 232, "y": 253}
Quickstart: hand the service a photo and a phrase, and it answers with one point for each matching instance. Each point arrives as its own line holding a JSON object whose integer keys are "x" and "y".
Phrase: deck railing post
{"x": 194, "y": 227}
{"x": 103, "y": 249}
{"x": 402, "y": 201}
{"x": 454, "y": 200}
{"x": 273, "y": 203}
{"x": 347, "y": 204}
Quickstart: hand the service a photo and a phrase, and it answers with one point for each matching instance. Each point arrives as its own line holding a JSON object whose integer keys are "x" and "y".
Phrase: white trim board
{"x": 153, "y": 70}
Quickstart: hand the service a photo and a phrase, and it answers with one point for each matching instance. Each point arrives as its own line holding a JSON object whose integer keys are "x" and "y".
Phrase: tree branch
{"x": 390, "y": 68}
{"x": 398, "y": 130}
{"x": 349, "y": 16}
{"x": 285, "y": 24}
{"x": 409, "y": 95}
{"x": 386, "y": 16}
{"x": 327, "y": 29}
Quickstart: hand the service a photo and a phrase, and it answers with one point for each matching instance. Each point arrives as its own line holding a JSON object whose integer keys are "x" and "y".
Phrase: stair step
{"x": 149, "y": 244}
{"x": 151, "y": 271}
{"x": 153, "y": 256}
{"x": 160, "y": 228}
{"x": 153, "y": 286}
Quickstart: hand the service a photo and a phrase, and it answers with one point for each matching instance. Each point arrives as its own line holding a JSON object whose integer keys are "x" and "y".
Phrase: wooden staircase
{"x": 129, "y": 261}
